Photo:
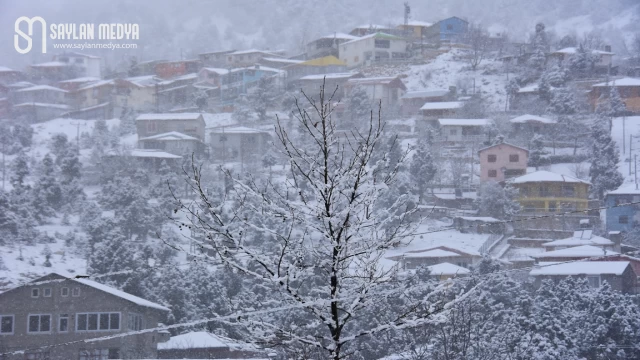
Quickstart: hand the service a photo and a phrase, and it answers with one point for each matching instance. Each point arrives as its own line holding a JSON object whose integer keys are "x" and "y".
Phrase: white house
{"x": 386, "y": 90}
{"x": 89, "y": 65}
{"x": 463, "y": 130}
{"x": 374, "y": 47}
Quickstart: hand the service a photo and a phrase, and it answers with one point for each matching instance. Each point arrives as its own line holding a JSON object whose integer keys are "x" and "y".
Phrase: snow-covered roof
{"x": 339, "y": 35}
{"x": 151, "y": 153}
{"x": 258, "y": 67}
{"x": 169, "y": 136}
{"x": 282, "y": 60}
{"x": 465, "y": 122}
{"x": 142, "y": 81}
{"x": 627, "y": 81}
{"x": 169, "y": 116}
{"x": 376, "y": 35}
{"x": 30, "y": 104}
{"x": 329, "y": 76}
{"x": 442, "y": 105}
{"x": 218, "y": 120}
{"x": 371, "y": 26}
{"x": 573, "y": 50}
{"x": 529, "y": 89}
{"x": 238, "y": 130}
{"x": 251, "y": 51}
{"x": 500, "y": 144}
{"x": 546, "y": 176}
{"x": 21, "y": 84}
{"x": 582, "y": 268}
{"x": 577, "y": 251}
{"x": 480, "y": 218}
{"x": 626, "y": 189}
{"x": 193, "y": 340}
{"x": 447, "y": 269}
{"x": 50, "y": 64}
{"x": 41, "y": 87}
{"x": 573, "y": 241}
{"x": 218, "y": 71}
{"x": 532, "y": 118}
{"x": 373, "y": 80}
{"x": 425, "y": 93}
{"x": 419, "y": 23}
{"x": 81, "y": 79}
{"x": 96, "y": 84}
{"x": 433, "y": 253}
{"x": 6, "y": 69}
{"x": 121, "y": 294}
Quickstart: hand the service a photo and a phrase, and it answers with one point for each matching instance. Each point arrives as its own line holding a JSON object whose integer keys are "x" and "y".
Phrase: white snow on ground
{"x": 451, "y": 69}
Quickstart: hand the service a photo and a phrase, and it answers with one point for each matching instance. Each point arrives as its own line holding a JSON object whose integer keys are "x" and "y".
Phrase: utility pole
{"x": 635, "y": 166}
{"x": 630, "y": 151}
{"x": 624, "y": 118}
{"x": 4, "y": 169}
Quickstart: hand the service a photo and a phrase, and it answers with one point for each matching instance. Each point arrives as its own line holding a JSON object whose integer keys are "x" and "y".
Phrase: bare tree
{"x": 313, "y": 240}
{"x": 478, "y": 41}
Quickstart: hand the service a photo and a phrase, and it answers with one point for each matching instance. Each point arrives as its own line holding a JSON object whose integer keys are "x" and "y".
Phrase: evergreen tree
{"x": 422, "y": 167}
{"x": 23, "y": 135}
{"x": 604, "y": 158}
{"x": 536, "y": 150}
{"x": 48, "y": 193}
{"x": 540, "y": 47}
{"x": 262, "y": 97}
{"x": 582, "y": 62}
{"x": 358, "y": 108}
{"x": 562, "y": 102}
{"x": 617, "y": 107}
{"x": 127, "y": 122}
{"x": 19, "y": 171}
{"x": 497, "y": 201}
{"x": 59, "y": 146}
{"x": 242, "y": 111}
{"x": 556, "y": 76}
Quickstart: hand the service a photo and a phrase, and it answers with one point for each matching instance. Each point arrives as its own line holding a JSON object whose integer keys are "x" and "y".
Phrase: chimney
{"x": 607, "y": 48}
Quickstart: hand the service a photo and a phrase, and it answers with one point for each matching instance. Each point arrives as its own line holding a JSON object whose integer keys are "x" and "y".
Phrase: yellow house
{"x": 415, "y": 29}
{"x": 548, "y": 192}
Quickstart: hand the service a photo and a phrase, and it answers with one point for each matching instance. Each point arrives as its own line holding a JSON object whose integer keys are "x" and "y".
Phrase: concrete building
{"x": 548, "y": 192}
{"x": 502, "y": 161}
{"x": 622, "y": 218}
{"x": 186, "y": 123}
{"x": 377, "y": 47}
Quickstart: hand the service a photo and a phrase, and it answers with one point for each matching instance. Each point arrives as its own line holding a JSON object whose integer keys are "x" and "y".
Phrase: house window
{"x": 453, "y": 132}
{"x": 135, "y": 321}
{"x": 449, "y": 27}
{"x": 64, "y": 291}
{"x": 46, "y": 292}
{"x": 75, "y": 292}
{"x": 97, "y": 321}
{"x": 462, "y": 264}
{"x": 382, "y": 44}
{"x": 568, "y": 191}
{"x": 35, "y": 293}
{"x": 493, "y": 173}
{"x": 623, "y": 219}
{"x": 514, "y": 158}
{"x": 622, "y": 200}
{"x": 594, "y": 281}
{"x": 552, "y": 206}
{"x": 6, "y": 324}
{"x": 492, "y": 158}
{"x": 63, "y": 323}
{"x": 544, "y": 191}
{"x": 99, "y": 354}
{"x": 39, "y": 323}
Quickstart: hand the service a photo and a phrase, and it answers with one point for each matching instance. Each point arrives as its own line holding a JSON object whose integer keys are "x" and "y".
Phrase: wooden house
{"x": 435, "y": 255}
{"x": 368, "y": 29}
{"x": 311, "y": 84}
{"x": 186, "y": 123}
{"x": 381, "y": 90}
{"x": 415, "y": 30}
{"x": 136, "y": 93}
{"x": 628, "y": 88}
{"x": 173, "y": 142}
{"x": 238, "y": 143}
{"x": 412, "y": 101}
{"x": 527, "y": 125}
{"x": 435, "y": 110}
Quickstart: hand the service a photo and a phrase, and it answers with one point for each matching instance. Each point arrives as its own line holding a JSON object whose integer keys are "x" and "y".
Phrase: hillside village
{"x": 517, "y": 155}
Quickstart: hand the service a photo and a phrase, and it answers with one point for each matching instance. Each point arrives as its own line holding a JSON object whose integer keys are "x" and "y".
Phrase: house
{"x": 435, "y": 255}
{"x": 86, "y": 65}
{"x": 368, "y": 29}
{"x": 174, "y": 93}
{"x": 618, "y": 274}
{"x": 603, "y": 59}
{"x": 173, "y": 69}
{"x": 239, "y": 80}
{"x": 573, "y": 253}
{"x": 327, "y": 45}
{"x": 376, "y": 47}
{"x": 622, "y": 218}
{"x": 412, "y": 101}
{"x": 92, "y": 95}
{"x": 628, "y": 88}
{"x": 212, "y": 76}
{"x": 10, "y": 76}
{"x": 51, "y": 71}
{"x": 415, "y": 29}
{"x": 528, "y": 125}
{"x": 35, "y": 112}
{"x": 324, "y": 65}
{"x": 547, "y": 192}
{"x": 434, "y": 110}
{"x": 248, "y": 57}
{"x": 580, "y": 238}
{"x": 135, "y": 93}
{"x": 55, "y": 309}
{"x": 448, "y": 30}
{"x": 463, "y": 130}
{"x": 173, "y": 142}
{"x": 526, "y": 97}
{"x": 144, "y": 68}
{"x": 502, "y": 161}
{"x": 214, "y": 58}
{"x": 278, "y": 63}
{"x": 311, "y": 84}
{"x": 238, "y": 143}
{"x": 381, "y": 90}
{"x": 152, "y": 159}
{"x": 40, "y": 94}
{"x": 445, "y": 271}
{"x": 186, "y": 123}
{"x": 204, "y": 345}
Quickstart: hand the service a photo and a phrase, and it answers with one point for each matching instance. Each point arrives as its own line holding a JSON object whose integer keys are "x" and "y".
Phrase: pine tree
{"x": 59, "y": 146}
{"x": 540, "y": 47}
{"x": 19, "y": 171}
{"x": 496, "y": 201}
{"x": 422, "y": 167}
{"x": 262, "y": 97}
{"x": 48, "y": 193}
{"x": 242, "y": 111}
{"x": 562, "y": 102}
{"x": 358, "y": 108}
{"x": 536, "y": 151}
{"x": 582, "y": 62}
{"x": 46, "y": 252}
{"x": 617, "y": 107}
{"x": 127, "y": 122}
{"x": 556, "y": 76}
{"x": 604, "y": 158}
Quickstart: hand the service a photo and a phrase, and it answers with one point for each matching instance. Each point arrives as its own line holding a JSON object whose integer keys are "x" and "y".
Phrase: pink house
{"x": 502, "y": 161}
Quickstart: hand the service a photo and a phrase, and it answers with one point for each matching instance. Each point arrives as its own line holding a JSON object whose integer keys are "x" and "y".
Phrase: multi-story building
{"x": 623, "y": 218}
{"x": 547, "y": 192}
{"x": 186, "y": 123}
{"x": 502, "y": 161}
{"x": 373, "y": 48}
{"x": 50, "y": 317}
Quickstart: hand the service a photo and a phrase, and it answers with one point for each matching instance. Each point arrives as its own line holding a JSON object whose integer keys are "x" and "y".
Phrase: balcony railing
{"x": 550, "y": 194}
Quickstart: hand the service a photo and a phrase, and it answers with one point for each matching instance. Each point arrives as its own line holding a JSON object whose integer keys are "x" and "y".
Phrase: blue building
{"x": 622, "y": 218}
{"x": 448, "y": 30}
